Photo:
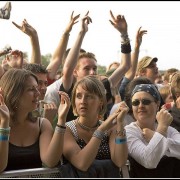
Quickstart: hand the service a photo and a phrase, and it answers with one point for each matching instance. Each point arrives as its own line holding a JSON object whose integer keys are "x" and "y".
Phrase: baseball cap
{"x": 145, "y": 61}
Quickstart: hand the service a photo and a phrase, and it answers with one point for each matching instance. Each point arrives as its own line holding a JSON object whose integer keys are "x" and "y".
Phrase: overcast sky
{"x": 161, "y": 19}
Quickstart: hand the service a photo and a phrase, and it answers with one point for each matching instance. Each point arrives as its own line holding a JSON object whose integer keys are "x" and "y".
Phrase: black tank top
{"x": 24, "y": 157}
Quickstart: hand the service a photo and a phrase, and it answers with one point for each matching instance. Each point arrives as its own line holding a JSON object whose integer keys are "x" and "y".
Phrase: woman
{"x": 32, "y": 141}
{"x": 87, "y": 137}
{"x": 152, "y": 144}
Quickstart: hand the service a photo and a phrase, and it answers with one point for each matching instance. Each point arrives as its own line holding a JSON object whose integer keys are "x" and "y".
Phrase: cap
{"x": 145, "y": 61}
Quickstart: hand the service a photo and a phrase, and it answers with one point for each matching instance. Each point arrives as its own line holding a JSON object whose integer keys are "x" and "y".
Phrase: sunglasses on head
{"x": 136, "y": 102}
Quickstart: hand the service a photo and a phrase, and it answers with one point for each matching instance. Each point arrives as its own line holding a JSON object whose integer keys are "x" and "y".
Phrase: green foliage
{"x": 101, "y": 70}
{"x": 45, "y": 59}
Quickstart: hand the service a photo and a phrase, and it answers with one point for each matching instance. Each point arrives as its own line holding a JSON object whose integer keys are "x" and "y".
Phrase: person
{"x": 167, "y": 75}
{"x": 175, "y": 109}
{"x": 47, "y": 110}
{"x": 78, "y": 65}
{"x": 153, "y": 145}
{"x": 147, "y": 66}
{"x": 127, "y": 98}
{"x": 32, "y": 141}
{"x": 88, "y": 138}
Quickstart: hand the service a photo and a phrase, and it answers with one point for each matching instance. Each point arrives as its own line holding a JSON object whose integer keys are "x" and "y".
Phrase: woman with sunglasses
{"x": 153, "y": 145}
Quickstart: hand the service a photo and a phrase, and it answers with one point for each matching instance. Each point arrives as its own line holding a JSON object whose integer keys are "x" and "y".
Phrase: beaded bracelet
{"x": 120, "y": 140}
{"x": 98, "y": 134}
{"x": 60, "y": 130}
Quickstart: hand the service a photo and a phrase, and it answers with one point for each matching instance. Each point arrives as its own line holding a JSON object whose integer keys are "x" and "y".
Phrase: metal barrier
{"x": 32, "y": 173}
{"x": 48, "y": 173}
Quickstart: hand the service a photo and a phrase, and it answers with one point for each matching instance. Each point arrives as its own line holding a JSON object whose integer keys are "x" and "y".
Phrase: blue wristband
{"x": 120, "y": 140}
{"x": 4, "y": 137}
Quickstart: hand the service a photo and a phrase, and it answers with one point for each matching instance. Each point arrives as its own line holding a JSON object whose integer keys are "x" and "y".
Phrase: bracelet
{"x": 60, "y": 130}
{"x": 125, "y": 48}
{"x": 60, "y": 126}
{"x": 125, "y": 39}
{"x": 98, "y": 134}
{"x": 121, "y": 133}
{"x": 120, "y": 140}
{"x": 4, "y": 137}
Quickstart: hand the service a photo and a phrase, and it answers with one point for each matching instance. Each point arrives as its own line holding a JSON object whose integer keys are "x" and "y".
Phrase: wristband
{"x": 120, "y": 140}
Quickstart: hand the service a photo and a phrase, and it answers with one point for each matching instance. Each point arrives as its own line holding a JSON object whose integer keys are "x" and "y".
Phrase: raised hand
{"x": 63, "y": 107}
{"x": 139, "y": 36}
{"x": 26, "y": 28}
{"x": 15, "y": 59}
{"x": 85, "y": 21}
{"x": 119, "y": 23}
{"x": 71, "y": 22}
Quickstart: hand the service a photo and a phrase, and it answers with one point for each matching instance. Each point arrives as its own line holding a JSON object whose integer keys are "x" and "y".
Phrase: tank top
{"x": 25, "y": 157}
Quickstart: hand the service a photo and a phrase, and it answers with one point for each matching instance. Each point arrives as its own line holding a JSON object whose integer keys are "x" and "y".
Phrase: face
{"x": 87, "y": 66}
{"x": 42, "y": 84}
{"x": 152, "y": 71}
{"x": 144, "y": 114}
{"x": 87, "y": 104}
{"x": 30, "y": 97}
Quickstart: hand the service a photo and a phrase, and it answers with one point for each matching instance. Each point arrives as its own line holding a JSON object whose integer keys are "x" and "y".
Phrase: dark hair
{"x": 35, "y": 68}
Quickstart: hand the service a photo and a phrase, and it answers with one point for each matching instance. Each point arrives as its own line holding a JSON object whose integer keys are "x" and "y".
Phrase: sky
{"x": 49, "y": 18}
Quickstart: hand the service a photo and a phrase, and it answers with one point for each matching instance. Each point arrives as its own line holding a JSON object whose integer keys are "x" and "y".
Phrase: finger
{"x": 87, "y": 13}
{"x": 112, "y": 16}
{"x": 111, "y": 22}
{"x": 72, "y": 15}
{"x": 19, "y": 27}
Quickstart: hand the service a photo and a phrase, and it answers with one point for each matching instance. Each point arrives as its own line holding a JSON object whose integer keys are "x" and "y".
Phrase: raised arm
{"x": 72, "y": 58}
{"x": 58, "y": 55}
{"x": 32, "y": 33}
{"x": 120, "y": 24}
{"x": 135, "y": 54}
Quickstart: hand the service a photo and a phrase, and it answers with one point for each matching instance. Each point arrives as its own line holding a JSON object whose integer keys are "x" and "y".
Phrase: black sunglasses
{"x": 136, "y": 102}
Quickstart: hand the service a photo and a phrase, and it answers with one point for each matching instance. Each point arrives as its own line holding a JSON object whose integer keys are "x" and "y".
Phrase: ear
{"x": 158, "y": 106}
{"x": 75, "y": 73}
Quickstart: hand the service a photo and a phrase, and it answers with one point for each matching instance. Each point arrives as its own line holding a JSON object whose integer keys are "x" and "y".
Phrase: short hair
{"x": 86, "y": 55}
{"x": 93, "y": 85}
{"x": 13, "y": 83}
{"x": 35, "y": 68}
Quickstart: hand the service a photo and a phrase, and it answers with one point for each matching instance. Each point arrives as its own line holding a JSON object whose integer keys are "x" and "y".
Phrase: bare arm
{"x": 135, "y": 54}
{"x": 120, "y": 24}
{"x": 72, "y": 58}
{"x": 4, "y": 124}
{"x": 32, "y": 33}
{"x": 57, "y": 57}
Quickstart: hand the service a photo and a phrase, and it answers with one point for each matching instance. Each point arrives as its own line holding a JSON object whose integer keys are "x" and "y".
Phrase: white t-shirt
{"x": 52, "y": 92}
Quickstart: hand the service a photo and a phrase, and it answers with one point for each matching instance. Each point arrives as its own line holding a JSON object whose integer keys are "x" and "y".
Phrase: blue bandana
{"x": 149, "y": 88}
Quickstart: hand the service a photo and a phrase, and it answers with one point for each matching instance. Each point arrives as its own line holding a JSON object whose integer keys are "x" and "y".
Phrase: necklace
{"x": 86, "y": 127}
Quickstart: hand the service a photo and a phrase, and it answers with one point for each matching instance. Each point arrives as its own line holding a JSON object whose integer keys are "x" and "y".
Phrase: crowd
{"x": 87, "y": 123}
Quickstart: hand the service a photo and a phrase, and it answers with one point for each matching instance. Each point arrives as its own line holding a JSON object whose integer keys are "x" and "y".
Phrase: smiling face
{"x": 145, "y": 114}
{"x": 30, "y": 96}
